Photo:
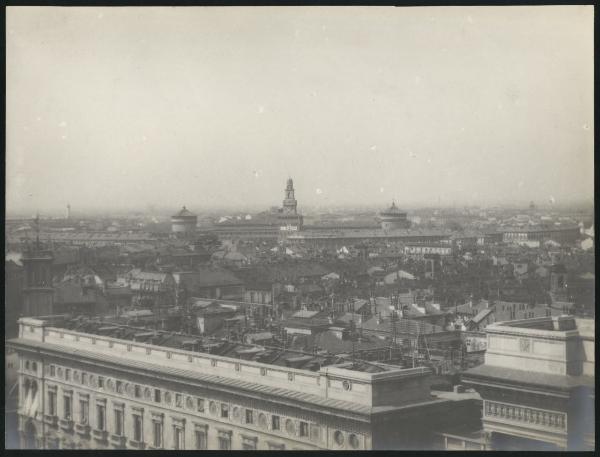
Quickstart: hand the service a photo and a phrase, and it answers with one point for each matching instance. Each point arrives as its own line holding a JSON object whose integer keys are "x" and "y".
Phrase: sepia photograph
{"x": 315, "y": 228}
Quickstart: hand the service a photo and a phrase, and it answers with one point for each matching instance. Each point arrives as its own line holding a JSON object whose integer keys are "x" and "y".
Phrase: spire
{"x": 37, "y": 230}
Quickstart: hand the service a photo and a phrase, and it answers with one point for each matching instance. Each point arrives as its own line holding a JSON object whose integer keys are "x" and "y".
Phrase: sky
{"x": 128, "y": 108}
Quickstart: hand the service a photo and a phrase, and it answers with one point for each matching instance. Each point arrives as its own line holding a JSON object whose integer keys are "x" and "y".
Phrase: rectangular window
{"x": 118, "y": 386}
{"x": 249, "y": 417}
{"x": 157, "y": 395}
{"x": 137, "y": 428}
{"x": 118, "y": 422}
{"x": 84, "y": 412}
{"x": 275, "y": 422}
{"x": 52, "y": 370}
{"x": 179, "y": 400}
{"x": 67, "y": 407}
{"x": 224, "y": 410}
{"x": 83, "y": 378}
{"x": 303, "y": 428}
{"x": 67, "y": 374}
{"x": 100, "y": 417}
{"x": 200, "y": 404}
{"x": 52, "y": 403}
{"x": 178, "y": 438}
{"x": 200, "y": 439}
{"x": 224, "y": 443}
{"x": 138, "y": 391}
{"x": 158, "y": 434}
{"x": 101, "y": 382}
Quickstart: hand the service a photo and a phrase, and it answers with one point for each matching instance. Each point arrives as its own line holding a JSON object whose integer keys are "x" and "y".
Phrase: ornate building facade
{"x": 537, "y": 384}
{"x": 82, "y": 390}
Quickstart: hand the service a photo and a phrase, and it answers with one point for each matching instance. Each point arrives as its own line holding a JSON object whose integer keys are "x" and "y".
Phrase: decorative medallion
{"x": 290, "y": 376}
{"x": 263, "y": 371}
{"x": 338, "y": 437}
{"x": 525, "y": 344}
{"x": 347, "y": 385}
{"x": 93, "y": 381}
{"x": 353, "y": 441}
{"x": 130, "y": 389}
{"x": 110, "y": 385}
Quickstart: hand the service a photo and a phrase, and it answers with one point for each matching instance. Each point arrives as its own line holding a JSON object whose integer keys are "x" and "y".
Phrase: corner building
{"x": 82, "y": 390}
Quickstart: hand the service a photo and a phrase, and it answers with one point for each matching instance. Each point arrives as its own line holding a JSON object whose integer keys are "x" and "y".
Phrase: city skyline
{"x": 108, "y": 108}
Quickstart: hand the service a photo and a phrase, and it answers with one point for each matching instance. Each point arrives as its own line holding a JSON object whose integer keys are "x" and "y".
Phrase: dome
{"x": 392, "y": 210}
{"x": 184, "y": 213}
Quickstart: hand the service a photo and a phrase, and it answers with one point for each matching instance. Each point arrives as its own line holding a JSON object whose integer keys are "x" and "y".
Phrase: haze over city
{"x": 125, "y": 108}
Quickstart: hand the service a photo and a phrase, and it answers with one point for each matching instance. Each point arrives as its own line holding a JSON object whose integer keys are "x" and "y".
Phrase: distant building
{"x": 37, "y": 289}
{"x": 289, "y": 219}
{"x": 210, "y": 282}
{"x": 393, "y": 218}
{"x": 184, "y": 222}
{"x": 560, "y": 234}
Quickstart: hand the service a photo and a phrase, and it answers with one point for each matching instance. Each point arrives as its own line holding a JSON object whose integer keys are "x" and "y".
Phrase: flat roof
{"x": 562, "y": 382}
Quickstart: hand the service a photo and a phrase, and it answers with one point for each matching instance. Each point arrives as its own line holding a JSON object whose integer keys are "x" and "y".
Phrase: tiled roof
{"x": 208, "y": 277}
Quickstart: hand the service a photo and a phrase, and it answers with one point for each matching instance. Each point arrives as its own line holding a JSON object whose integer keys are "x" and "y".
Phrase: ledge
{"x": 118, "y": 440}
{"x": 100, "y": 435}
{"x": 50, "y": 420}
{"x": 137, "y": 444}
{"x": 82, "y": 429}
{"x": 66, "y": 425}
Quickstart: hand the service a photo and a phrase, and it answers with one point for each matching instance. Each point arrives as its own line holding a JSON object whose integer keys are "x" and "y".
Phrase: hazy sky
{"x": 131, "y": 107}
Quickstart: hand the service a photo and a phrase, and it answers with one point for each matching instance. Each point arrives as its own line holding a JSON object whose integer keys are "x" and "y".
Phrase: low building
{"x": 421, "y": 249}
{"x": 560, "y": 234}
{"x": 211, "y": 282}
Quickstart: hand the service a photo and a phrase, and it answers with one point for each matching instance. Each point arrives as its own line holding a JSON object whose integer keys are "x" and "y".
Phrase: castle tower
{"x": 289, "y": 219}
{"x": 184, "y": 222}
{"x": 289, "y": 202}
{"x": 38, "y": 291}
{"x": 393, "y": 218}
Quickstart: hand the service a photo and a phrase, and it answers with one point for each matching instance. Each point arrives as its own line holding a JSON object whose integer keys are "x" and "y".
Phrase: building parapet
{"x": 394, "y": 386}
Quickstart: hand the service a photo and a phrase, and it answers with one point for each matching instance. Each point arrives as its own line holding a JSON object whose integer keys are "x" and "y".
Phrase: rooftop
{"x": 319, "y": 379}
